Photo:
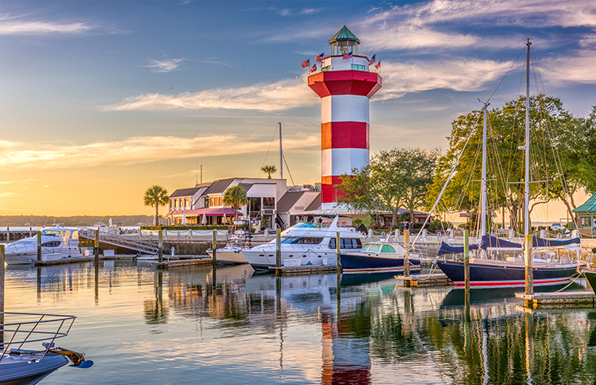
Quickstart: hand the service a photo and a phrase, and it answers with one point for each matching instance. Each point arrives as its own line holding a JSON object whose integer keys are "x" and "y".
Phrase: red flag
{"x": 313, "y": 68}
{"x": 305, "y": 63}
{"x": 347, "y": 56}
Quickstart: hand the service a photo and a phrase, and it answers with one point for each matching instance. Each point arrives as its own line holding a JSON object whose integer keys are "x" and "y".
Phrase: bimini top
{"x": 344, "y": 34}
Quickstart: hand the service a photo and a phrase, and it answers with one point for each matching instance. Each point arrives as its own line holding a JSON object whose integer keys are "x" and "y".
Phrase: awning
{"x": 208, "y": 211}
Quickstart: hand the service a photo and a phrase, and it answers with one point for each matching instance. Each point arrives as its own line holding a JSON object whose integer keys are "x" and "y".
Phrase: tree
{"x": 156, "y": 196}
{"x": 269, "y": 170}
{"x": 393, "y": 179}
{"x": 235, "y": 196}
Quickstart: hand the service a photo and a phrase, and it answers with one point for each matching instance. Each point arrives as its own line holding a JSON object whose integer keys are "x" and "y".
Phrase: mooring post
{"x": 214, "y": 246}
{"x": 529, "y": 270}
{"x": 39, "y": 246}
{"x": 467, "y": 261}
{"x": 30, "y": 232}
{"x": 96, "y": 246}
{"x": 278, "y": 248}
{"x": 2, "y": 259}
{"x": 406, "y": 253}
{"x": 338, "y": 250}
{"x": 7, "y": 234}
{"x": 160, "y": 246}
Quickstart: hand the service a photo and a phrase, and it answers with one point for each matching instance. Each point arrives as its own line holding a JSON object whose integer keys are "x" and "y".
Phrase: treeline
{"x": 77, "y": 220}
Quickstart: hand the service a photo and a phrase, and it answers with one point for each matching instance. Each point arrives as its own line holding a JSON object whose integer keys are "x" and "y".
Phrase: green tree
{"x": 393, "y": 179}
{"x": 269, "y": 170}
{"x": 235, "y": 196}
{"x": 156, "y": 196}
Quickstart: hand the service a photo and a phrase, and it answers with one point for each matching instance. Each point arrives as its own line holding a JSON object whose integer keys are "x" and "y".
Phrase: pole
{"x": 527, "y": 146}
{"x": 467, "y": 262}
{"x": 278, "y": 248}
{"x": 39, "y": 246}
{"x": 30, "y": 232}
{"x": 96, "y": 247}
{"x": 338, "y": 250}
{"x": 483, "y": 181}
{"x": 529, "y": 267}
{"x": 2, "y": 259}
{"x": 214, "y": 247}
{"x": 7, "y": 234}
{"x": 281, "y": 155}
{"x": 160, "y": 246}
{"x": 406, "y": 253}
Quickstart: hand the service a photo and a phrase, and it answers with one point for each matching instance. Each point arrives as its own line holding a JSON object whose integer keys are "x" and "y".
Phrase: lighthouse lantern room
{"x": 345, "y": 85}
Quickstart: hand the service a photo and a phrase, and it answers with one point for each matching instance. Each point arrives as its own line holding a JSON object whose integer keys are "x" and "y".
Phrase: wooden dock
{"x": 303, "y": 270}
{"x": 65, "y": 261}
{"x": 565, "y": 299}
{"x": 184, "y": 263}
{"x": 424, "y": 280}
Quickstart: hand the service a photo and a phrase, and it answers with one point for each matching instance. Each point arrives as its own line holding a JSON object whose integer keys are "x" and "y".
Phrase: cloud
{"x": 14, "y": 25}
{"x": 8, "y": 194}
{"x": 578, "y": 68}
{"x": 278, "y": 96}
{"x": 137, "y": 150}
{"x": 162, "y": 66}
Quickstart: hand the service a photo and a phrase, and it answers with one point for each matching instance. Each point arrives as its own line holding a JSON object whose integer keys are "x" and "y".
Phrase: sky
{"x": 99, "y": 100}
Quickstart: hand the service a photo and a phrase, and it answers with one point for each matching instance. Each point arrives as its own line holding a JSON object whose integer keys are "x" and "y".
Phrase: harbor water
{"x": 191, "y": 325}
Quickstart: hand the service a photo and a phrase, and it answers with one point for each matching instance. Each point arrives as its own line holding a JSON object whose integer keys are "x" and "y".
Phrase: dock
{"x": 64, "y": 261}
{"x": 302, "y": 270}
{"x": 424, "y": 280}
{"x": 565, "y": 299}
{"x": 203, "y": 261}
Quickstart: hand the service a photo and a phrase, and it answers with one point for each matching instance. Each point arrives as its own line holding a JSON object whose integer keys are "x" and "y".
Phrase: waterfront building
{"x": 586, "y": 216}
{"x": 344, "y": 83}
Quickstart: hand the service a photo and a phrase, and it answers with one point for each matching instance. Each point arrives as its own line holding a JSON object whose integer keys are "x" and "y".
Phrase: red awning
{"x": 207, "y": 211}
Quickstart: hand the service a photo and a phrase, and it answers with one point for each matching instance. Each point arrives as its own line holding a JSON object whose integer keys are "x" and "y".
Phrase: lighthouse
{"x": 345, "y": 85}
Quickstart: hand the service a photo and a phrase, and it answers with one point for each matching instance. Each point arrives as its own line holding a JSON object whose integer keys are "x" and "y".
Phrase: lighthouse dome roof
{"x": 344, "y": 34}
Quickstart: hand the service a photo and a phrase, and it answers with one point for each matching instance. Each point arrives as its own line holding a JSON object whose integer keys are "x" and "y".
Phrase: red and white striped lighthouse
{"x": 345, "y": 85}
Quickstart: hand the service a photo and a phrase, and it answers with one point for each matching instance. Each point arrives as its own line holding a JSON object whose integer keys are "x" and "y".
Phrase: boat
{"x": 56, "y": 243}
{"x": 231, "y": 254}
{"x": 377, "y": 257}
{"x": 488, "y": 272}
{"x": 591, "y": 277}
{"x": 21, "y": 366}
{"x": 306, "y": 244}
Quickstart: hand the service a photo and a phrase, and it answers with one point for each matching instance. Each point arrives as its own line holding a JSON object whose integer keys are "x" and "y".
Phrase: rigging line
{"x": 266, "y": 155}
{"x": 504, "y": 76}
{"x": 288, "y": 168}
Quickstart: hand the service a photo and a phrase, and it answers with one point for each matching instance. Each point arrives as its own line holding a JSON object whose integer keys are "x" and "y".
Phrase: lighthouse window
{"x": 357, "y": 67}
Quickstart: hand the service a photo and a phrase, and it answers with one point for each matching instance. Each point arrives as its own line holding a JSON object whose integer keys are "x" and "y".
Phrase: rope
{"x": 569, "y": 284}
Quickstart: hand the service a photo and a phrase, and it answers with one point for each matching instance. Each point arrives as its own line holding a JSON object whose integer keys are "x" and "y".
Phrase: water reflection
{"x": 231, "y": 325}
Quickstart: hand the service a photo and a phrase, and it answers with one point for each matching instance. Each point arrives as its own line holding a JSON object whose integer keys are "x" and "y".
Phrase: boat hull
{"x": 22, "y": 370}
{"x": 591, "y": 277}
{"x": 229, "y": 256}
{"x": 362, "y": 263}
{"x": 490, "y": 276}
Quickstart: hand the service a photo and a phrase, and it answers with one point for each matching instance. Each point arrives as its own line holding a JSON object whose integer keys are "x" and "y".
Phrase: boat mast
{"x": 483, "y": 197}
{"x": 281, "y": 155}
{"x": 527, "y": 146}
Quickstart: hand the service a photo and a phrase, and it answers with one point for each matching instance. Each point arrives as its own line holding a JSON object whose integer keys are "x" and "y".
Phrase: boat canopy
{"x": 446, "y": 249}
{"x": 494, "y": 243}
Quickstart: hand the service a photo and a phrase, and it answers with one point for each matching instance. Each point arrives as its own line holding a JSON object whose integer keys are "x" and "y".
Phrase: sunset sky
{"x": 99, "y": 100}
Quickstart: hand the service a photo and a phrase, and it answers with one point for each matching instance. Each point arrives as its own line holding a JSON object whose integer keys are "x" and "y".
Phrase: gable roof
{"x": 288, "y": 200}
{"x": 315, "y": 205}
{"x": 589, "y": 206}
{"x": 185, "y": 192}
{"x": 219, "y": 186}
{"x": 343, "y": 35}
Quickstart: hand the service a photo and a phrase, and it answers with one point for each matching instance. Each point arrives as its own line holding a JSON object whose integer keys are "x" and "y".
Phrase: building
{"x": 344, "y": 83}
{"x": 586, "y": 216}
{"x": 203, "y": 204}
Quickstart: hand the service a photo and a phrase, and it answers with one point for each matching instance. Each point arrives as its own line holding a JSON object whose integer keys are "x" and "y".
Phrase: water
{"x": 145, "y": 326}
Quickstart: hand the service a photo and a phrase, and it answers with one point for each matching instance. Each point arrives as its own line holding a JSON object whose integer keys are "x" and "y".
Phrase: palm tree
{"x": 269, "y": 170}
{"x": 235, "y": 196}
{"x": 156, "y": 196}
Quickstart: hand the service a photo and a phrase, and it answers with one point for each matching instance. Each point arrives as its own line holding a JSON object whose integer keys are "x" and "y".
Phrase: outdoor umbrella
{"x": 184, "y": 219}
{"x": 204, "y": 219}
{"x": 225, "y": 219}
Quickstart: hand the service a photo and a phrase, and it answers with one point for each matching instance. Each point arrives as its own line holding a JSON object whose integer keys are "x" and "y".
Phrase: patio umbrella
{"x": 110, "y": 222}
{"x": 204, "y": 219}
{"x": 184, "y": 219}
{"x": 225, "y": 219}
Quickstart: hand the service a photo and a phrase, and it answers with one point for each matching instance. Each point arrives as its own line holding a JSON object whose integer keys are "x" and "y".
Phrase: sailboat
{"x": 510, "y": 272}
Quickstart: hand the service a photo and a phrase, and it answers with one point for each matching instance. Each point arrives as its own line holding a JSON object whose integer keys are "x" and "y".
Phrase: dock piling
{"x": 7, "y": 234}
{"x": 95, "y": 245}
{"x": 39, "y": 246}
{"x": 406, "y": 253}
{"x": 2, "y": 258}
{"x": 160, "y": 246}
{"x": 529, "y": 268}
{"x": 467, "y": 259}
{"x": 337, "y": 248}
{"x": 214, "y": 246}
{"x": 278, "y": 248}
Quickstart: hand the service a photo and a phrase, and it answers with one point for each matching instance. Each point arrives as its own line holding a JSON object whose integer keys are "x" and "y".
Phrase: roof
{"x": 185, "y": 192}
{"x": 343, "y": 35}
{"x": 589, "y": 206}
{"x": 219, "y": 186}
{"x": 246, "y": 186}
{"x": 288, "y": 200}
{"x": 316, "y": 203}
{"x": 207, "y": 211}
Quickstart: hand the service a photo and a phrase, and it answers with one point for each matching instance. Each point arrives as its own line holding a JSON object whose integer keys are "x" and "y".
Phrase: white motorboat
{"x": 306, "y": 244}
{"x": 19, "y": 366}
{"x": 56, "y": 243}
{"x": 231, "y": 254}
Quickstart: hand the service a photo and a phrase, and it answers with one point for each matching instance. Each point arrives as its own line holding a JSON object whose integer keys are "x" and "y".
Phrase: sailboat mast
{"x": 527, "y": 146}
{"x": 281, "y": 155}
{"x": 483, "y": 198}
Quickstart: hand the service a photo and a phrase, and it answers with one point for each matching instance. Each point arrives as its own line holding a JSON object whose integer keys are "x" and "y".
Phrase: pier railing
{"x": 122, "y": 241}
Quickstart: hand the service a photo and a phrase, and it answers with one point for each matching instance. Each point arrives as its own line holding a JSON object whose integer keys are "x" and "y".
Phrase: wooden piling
{"x": 2, "y": 259}
{"x": 338, "y": 250}
{"x": 467, "y": 259}
{"x": 529, "y": 266}
{"x": 278, "y": 248}
{"x": 160, "y": 246}
{"x": 7, "y": 234}
{"x": 406, "y": 253}
{"x": 30, "y": 232}
{"x": 39, "y": 246}
{"x": 96, "y": 245}
{"x": 214, "y": 246}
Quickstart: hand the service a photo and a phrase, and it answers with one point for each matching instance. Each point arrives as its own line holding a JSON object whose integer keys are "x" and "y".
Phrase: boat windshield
{"x": 55, "y": 233}
{"x": 373, "y": 248}
{"x": 302, "y": 240}
{"x": 387, "y": 249}
{"x": 307, "y": 225}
